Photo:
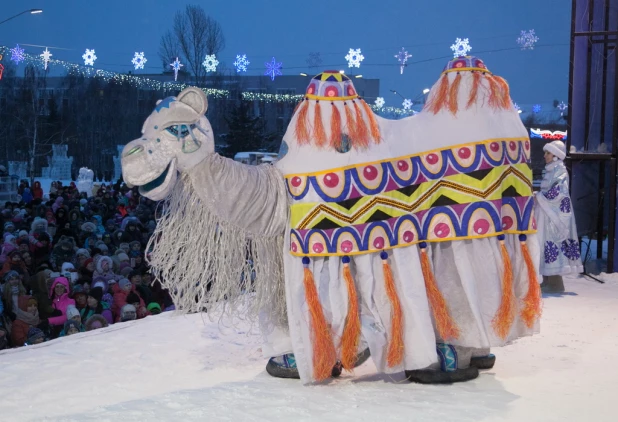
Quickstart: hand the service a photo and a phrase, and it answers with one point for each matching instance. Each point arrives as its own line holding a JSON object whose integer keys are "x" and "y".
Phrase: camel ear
{"x": 194, "y": 98}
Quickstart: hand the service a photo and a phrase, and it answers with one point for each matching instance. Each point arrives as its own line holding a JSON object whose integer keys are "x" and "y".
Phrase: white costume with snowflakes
{"x": 556, "y": 223}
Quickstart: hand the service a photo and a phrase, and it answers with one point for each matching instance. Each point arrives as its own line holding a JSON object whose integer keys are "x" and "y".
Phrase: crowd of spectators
{"x": 74, "y": 261}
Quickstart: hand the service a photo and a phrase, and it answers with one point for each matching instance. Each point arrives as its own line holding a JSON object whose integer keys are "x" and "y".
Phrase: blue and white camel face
{"x": 175, "y": 137}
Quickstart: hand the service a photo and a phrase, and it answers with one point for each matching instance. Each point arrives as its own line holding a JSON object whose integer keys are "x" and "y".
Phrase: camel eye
{"x": 179, "y": 131}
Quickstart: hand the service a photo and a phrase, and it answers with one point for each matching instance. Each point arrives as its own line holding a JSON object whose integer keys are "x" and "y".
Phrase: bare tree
{"x": 193, "y": 36}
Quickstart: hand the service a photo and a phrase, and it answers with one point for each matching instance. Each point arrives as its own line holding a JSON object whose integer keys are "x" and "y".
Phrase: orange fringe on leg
{"x": 495, "y": 97}
{"x": 352, "y": 329}
{"x": 318, "y": 127}
{"x": 474, "y": 91}
{"x": 335, "y": 127}
{"x": 301, "y": 131}
{"x": 362, "y": 133}
{"x": 440, "y": 99}
{"x": 350, "y": 124}
{"x": 447, "y": 329}
{"x": 505, "y": 316}
{"x": 453, "y": 94}
{"x": 395, "y": 347}
{"x": 324, "y": 355}
{"x": 532, "y": 302}
{"x": 506, "y": 92}
{"x": 373, "y": 122}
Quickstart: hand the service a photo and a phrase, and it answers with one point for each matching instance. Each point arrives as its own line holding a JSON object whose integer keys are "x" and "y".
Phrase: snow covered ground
{"x": 184, "y": 368}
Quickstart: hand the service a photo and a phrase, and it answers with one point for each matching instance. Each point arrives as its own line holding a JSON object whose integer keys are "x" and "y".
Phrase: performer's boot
{"x": 552, "y": 284}
{"x": 452, "y": 368}
{"x": 285, "y": 366}
{"x": 482, "y": 359}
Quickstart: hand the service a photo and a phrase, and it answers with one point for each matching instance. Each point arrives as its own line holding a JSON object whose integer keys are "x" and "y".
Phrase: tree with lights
{"x": 193, "y": 36}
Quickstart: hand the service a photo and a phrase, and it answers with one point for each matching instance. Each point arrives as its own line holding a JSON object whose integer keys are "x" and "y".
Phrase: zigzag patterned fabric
{"x": 463, "y": 192}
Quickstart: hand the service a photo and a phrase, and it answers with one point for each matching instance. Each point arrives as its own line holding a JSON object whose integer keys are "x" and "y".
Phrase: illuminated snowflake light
{"x": 46, "y": 57}
{"x": 139, "y": 60}
{"x": 407, "y": 104}
{"x": 402, "y": 57}
{"x": 314, "y": 60}
{"x": 379, "y": 102}
{"x": 17, "y": 54}
{"x": 241, "y": 63}
{"x": 176, "y": 65}
{"x": 461, "y": 47}
{"x": 562, "y": 107}
{"x": 273, "y": 69}
{"x": 210, "y": 63}
{"x": 354, "y": 57}
{"x": 89, "y": 57}
{"x": 527, "y": 40}
{"x": 517, "y": 107}
{"x": 536, "y": 108}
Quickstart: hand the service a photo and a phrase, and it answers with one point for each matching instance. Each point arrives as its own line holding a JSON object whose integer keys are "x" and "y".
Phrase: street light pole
{"x": 31, "y": 11}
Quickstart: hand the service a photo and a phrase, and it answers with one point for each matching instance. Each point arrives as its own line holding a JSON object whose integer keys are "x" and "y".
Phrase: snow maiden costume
{"x": 410, "y": 238}
{"x": 556, "y": 222}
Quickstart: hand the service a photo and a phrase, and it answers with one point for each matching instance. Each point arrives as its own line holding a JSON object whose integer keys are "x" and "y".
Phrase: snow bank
{"x": 184, "y": 368}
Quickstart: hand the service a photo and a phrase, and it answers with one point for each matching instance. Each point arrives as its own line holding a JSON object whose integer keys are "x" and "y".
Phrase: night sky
{"x": 289, "y": 30}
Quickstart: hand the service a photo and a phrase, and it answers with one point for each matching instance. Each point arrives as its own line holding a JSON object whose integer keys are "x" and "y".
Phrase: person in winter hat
{"x": 35, "y": 336}
{"x": 128, "y": 313}
{"x": 96, "y": 306}
{"x": 73, "y": 314}
{"x": 12, "y": 289}
{"x": 555, "y": 221}
{"x": 59, "y": 294}
{"x": 27, "y": 316}
{"x": 95, "y": 322}
{"x": 71, "y": 327}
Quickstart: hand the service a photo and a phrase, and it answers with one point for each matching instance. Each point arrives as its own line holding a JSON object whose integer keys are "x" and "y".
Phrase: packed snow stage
{"x": 188, "y": 368}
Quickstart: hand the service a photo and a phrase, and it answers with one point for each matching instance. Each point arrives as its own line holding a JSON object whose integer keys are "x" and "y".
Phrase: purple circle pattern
{"x": 551, "y": 252}
{"x": 570, "y": 249}
{"x": 553, "y": 192}
{"x": 565, "y": 205}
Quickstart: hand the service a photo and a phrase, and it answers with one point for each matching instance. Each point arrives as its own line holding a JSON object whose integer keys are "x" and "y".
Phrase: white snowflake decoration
{"x": 461, "y": 47}
{"x": 176, "y": 65}
{"x": 379, "y": 102}
{"x": 89, "y": 57}
{"x": 46, "y": 57}
{"x": 139, "y": 60}
{"x": 402, "y": 57}
{"x": 210, "y": 63}
{"x": 273, "y": 69}
{"x": 407, "y": 104}
{"x": 562, "y": 107}
{"x": 354, "y": 57}
{"x": 527, "y": 40}
{"x": 241, "y": 63}
{"x": 517, "y": 107}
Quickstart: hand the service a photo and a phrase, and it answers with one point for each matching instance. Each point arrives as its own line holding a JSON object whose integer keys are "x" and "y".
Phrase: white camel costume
{"x": 391, "y": 235}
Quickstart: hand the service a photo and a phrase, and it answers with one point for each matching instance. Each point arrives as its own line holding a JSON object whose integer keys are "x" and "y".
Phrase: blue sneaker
{"x": 283, "y": 366}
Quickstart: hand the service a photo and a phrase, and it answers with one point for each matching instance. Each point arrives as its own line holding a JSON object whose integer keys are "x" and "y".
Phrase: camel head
{"x": 175, "y": 138}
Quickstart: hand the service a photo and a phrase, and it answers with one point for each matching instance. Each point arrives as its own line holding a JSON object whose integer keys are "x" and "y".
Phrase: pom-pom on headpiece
{"x": 351, "y": 118}
{"x": 445, "y": 94}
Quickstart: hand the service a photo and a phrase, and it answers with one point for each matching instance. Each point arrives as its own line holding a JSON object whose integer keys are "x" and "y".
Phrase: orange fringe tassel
{"x": 495, "y": 97}
{"x": 318, "y": 127}
{"x": 395, "y": 346}
{"x": 506, "y": 312}
{"x": 453, "y": 96}
{"x": 324, "y": 355}
{"x": 506, "y": 92}
{"x": 474, "y": 92}
{"x": 362, "y": 133}
{"x": 350, "y": 124}
{"x": 352, "y": 330}
{"x": 440, "y": 99}
{"x": 447, "y": 329}
{"x": 335, "y": 127}
{"x": 301, "y": 131}
{"x": 532, "y": 302}
{"x": 373, "y": 122}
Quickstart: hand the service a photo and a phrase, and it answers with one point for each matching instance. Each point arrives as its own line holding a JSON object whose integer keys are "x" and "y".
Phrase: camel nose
{"x": 132, "y": 151}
